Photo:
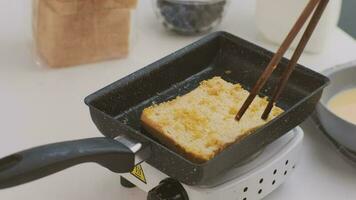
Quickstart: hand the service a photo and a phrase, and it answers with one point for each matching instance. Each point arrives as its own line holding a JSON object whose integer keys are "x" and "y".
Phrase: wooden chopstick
{"x": 278, "y": 56}
{"x": 298, "y": 52}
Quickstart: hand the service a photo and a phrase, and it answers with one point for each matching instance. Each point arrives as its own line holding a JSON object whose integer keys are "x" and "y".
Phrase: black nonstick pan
{"x": 116, "y": 111}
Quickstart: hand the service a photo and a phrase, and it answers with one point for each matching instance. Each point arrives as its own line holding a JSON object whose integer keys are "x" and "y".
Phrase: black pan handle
{"x": 38, "y": 162}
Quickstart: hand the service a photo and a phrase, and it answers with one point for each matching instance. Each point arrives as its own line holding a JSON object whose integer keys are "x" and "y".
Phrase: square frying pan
{"x": 116, "y": 111}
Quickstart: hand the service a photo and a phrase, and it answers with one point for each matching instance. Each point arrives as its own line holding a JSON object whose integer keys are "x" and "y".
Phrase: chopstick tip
{"x": 237, "y": 117}
{"x": 267, "y": 110}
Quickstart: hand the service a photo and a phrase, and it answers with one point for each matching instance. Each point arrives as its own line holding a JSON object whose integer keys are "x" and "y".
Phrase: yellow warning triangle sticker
{"x": 138, "y": 173}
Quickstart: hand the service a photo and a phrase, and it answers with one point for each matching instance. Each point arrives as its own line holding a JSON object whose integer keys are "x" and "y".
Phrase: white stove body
{"x": 253, "y": 180}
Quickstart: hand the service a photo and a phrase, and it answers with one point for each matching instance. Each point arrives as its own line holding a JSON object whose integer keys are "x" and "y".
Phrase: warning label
{"x": 138, "y": 173}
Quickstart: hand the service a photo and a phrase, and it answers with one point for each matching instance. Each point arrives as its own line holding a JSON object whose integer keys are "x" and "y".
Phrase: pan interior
{"x": 132, "y": 115}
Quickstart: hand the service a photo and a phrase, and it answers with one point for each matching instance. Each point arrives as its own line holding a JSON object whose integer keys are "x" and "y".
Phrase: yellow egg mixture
{"x": 344, "y": 105}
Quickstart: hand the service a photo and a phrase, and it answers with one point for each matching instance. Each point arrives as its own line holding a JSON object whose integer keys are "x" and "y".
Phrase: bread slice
{"x": 202, "y": 123}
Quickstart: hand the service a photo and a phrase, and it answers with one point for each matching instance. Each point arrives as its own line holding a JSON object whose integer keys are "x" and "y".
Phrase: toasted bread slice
{"x": 202, "y": 123}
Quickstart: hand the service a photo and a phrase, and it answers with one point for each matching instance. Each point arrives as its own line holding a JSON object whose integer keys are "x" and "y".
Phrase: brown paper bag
{"x": 72, "y": 32}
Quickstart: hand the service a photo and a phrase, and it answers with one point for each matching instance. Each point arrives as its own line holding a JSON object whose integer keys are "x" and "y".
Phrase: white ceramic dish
{"x": 342, "y": 77}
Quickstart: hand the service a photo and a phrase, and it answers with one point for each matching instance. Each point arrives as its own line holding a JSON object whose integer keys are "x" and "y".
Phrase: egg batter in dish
{"x": 344, "y": 105}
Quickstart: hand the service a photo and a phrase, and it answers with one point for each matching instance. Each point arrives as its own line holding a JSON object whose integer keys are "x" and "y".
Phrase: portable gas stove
{"x": 253, "y": 179}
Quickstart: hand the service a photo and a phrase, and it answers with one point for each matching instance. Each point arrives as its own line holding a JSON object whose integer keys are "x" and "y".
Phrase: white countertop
{"x": 40, "y": 105}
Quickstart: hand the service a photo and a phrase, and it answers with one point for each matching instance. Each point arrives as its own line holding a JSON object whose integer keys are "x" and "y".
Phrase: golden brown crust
{"x": 157, "y": 132}
{"x": 191, "y": 126}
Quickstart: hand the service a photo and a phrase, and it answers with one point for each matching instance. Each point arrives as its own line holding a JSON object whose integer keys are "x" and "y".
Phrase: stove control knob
{"x": 168, "y": 189}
